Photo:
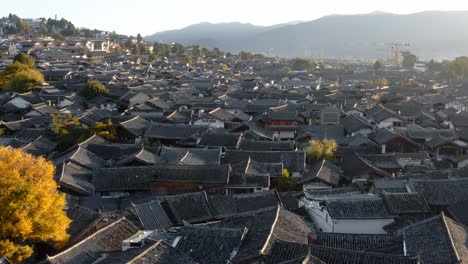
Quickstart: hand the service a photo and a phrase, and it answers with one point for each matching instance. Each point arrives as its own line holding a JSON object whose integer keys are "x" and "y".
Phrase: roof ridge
{"x": 450, "y": 236}
{"x": 92, "y": 236}
{"x": 272, "y": 230}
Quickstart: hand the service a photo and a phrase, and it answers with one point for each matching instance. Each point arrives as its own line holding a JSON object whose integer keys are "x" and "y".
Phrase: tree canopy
{"x": 287, "y": 182}
{"x": 409, "y": 59}
{"x": 25, "y": 59}
{"x": 224, "y": 67}
{"x": 25, "y": 81}
{"x": 286, "y": 70}
{"x": 458, "y": 68}
{"x": 21, "y": 76}
{"x": 300, "y": 64}
{"x": 184, "y": 58}
{"x": 381, "y": 82}
{"x": 321, "y": 149}
{"x": 31, "y": 208}
{"x": 377, "y": 65}
{"x": 94, "y": 88}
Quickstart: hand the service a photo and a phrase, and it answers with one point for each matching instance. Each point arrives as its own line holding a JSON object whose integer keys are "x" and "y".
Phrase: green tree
{"x": 321, "y": 149}
{"x": 435, "y": 66}
{"x": 152, "y": 57}
{"x": 177, "y": 49}
{"x": 409, "y": 59}
{"x": 68, "y": 130}
{"x": 25, "y": 81}
{"x": 58, "y": 37}
{"x": 139, "y": 38}
{"x": 300, "y": 64}
{"x": 245, "y": 55}
{"x": 381, "y": 82}
{"x": 377, "y": 65}
{"x": 94, "y": 88}
{"x": 458, "y": 68}
{"x": 184, "y": 58}
{"x": 286, "y": 70}
{"x": 10, "y": 71}
{"x": 31, "y": 209}
{"x": 21, "y": 75}
{"x": 25, "y": 59}
{"x": 105, "y": 130}
{"x": 287, "y": 182}
{"x": 224, "y": 67}
{"x": 23, "y": 27}
{"x": 196, "y": 51}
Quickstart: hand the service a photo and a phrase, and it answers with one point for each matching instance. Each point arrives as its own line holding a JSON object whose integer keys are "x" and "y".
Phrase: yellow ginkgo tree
{"x": 31, "y": 209}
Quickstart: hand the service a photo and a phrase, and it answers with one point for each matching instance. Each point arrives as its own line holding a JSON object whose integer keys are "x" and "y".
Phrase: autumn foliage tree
{"x": 105, "y": 130}
{"x": 321, "y": 149}
{"x": 287, "y": 182}
{"x": 93, "y": 89}
{"x": 69, "y": 130}
{"x": 21, "y": 76}
{"x": 31, "y": 209}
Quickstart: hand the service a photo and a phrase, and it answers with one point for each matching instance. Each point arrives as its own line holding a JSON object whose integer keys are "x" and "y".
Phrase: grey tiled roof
{"x": 207, "y": 244}
{"x": 170, "y": 131}
{"x": 97, "y": 245}
{"x": 437, "y": 240}
{"x": 152, "y": 215}
{"x": 139, "y": 178}
{"x": 357, "y": 209}
{"x": 356, "y": 242}
{"x": 400, "y": 203}
{"x": 294, "y": 161}
{"x": 74, "y": 177}
{"x": 442, "y": 192}
{"x": 162, "y": 253}
{"x": 190, "y": 207}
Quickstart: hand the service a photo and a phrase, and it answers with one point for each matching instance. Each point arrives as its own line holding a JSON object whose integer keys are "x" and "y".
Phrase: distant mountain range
{"x": 431, "y": 34}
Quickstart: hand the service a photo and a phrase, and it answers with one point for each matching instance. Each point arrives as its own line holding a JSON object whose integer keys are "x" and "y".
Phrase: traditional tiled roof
{"x": 170, "y": 131}
{"x": 382, "y": 161}
{"x": 459, "y": 212}
{"x": 209, "y": 244}
{"x": 401, "y": 203}
{"x": 257, "y": 145}
{"x": 265, "y": 229}
{"x": 139, "y": 178}
{"x": 74, "y": 177}
{"x": 441, "y": 192}
{"x": 123, "y": 179}
{"x": 324, "y": 171}
{"x": 190, "y": 207}
{"x": 143, "y": 156}
{"x": 152, "y": 216}
{"x": 437, "y": 240}
{"x": 357, "y": 242}
{"x": 354, "y": 123}
{"x": 336, "y": 256}
{"x": 294, "y": 161}
{"x": 98, "y": 245}
{"x": 136, "y": 126}
{"x": 357, "y": 209}
{"x": 162, "y": 253}
{"x": 82, "y": 157}
{"x": 384, "y": 136}
{"x": 27, "y": 123}
{"x": 82, "y": 218}
{"x": 392, "y": 185}
{"x": 219, "y": 138}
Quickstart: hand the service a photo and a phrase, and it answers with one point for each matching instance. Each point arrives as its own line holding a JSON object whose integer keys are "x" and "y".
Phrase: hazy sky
{"x": 150, "y": 16}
